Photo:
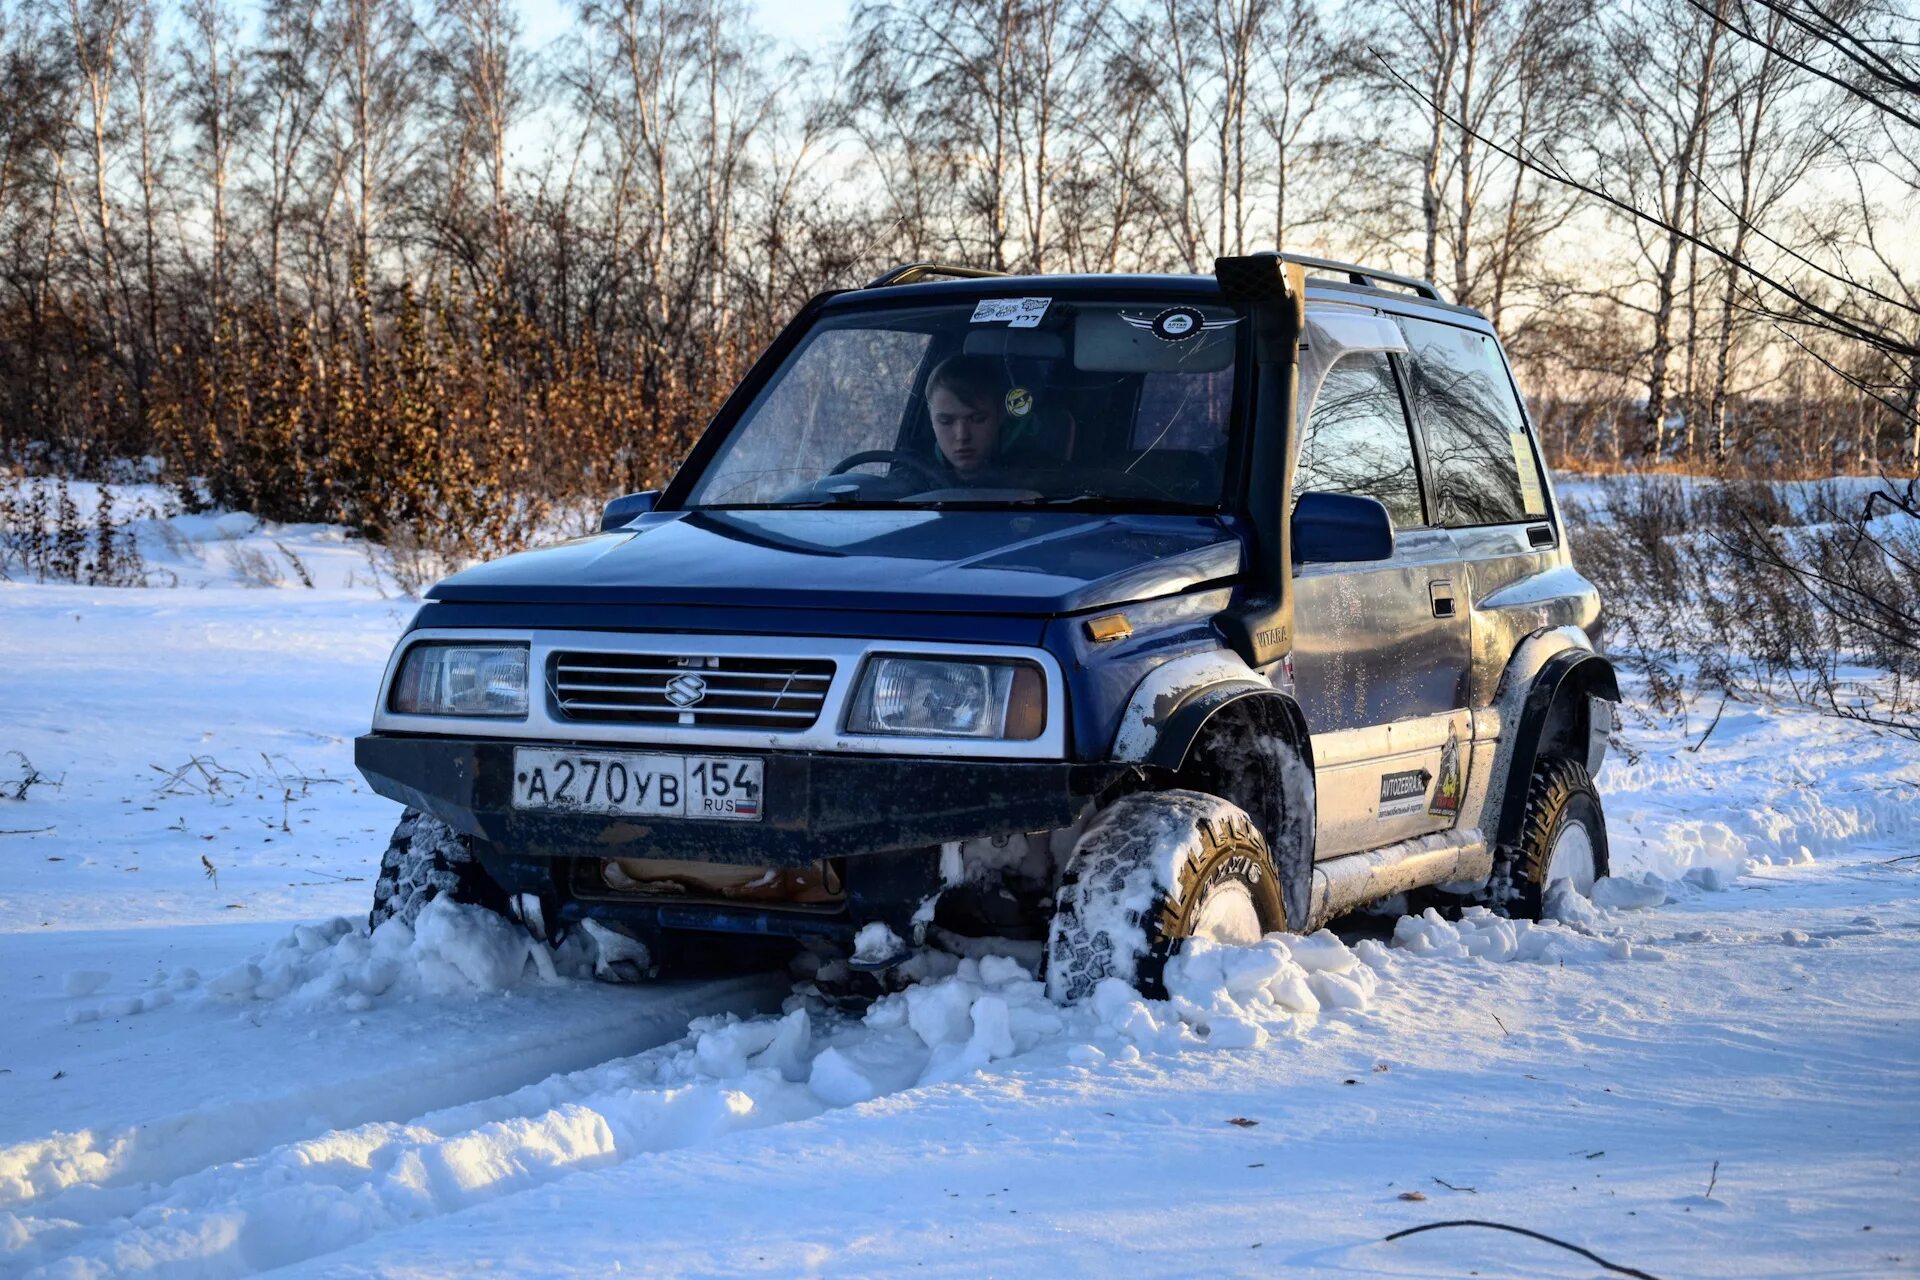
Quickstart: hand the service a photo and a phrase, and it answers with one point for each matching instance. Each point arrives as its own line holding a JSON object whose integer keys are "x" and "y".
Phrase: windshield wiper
{"x": 1110, "y": 502}
{"x": 1066, "y": 502}
{"x": 803, "y": 504}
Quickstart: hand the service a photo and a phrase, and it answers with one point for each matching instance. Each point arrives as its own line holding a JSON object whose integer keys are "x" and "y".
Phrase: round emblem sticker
{"x": 1177, "y": 324}
{"x": 1019, "y": 402}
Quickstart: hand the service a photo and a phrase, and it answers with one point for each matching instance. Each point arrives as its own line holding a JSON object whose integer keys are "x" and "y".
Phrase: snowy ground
{"x": 203, "y": 1076}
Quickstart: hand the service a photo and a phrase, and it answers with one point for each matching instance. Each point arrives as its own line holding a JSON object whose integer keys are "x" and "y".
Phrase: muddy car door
{"x": 1380, "y": 656}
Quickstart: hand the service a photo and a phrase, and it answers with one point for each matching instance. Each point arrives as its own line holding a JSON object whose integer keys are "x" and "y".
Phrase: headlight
{"x": 944, "y": 698}
{"x": 462, "y": 680}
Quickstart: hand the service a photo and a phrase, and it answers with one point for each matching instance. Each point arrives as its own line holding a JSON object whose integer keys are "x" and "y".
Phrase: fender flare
{"x": 1170, "y": 708}
{"x": 1572, "y": 672}
{"x": 1171, "y": 712}
{"x": 1183, "y": 728}
{"x": 1275, "y": 785}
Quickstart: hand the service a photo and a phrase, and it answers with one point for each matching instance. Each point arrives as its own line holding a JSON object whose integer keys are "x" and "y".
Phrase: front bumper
{"x": 817, "y": 805}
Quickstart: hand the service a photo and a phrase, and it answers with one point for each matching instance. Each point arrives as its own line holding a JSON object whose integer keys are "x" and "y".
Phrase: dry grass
{"x": 1759, "y": 591}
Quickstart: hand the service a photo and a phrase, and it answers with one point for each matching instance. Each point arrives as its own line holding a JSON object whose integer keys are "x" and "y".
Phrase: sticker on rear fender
{"x": 1403, "y": 793}
{"x": 631, "y": 785}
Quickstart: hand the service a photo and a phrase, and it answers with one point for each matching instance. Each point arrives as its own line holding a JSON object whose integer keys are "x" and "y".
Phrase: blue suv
{"x": 1092, "y": 612}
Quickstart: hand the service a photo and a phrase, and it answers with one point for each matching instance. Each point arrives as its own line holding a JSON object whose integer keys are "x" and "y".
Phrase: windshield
{"x": 996, "y": 402}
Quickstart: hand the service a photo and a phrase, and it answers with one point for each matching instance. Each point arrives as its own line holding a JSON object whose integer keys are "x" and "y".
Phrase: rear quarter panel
{"x": 1515, "y": 591}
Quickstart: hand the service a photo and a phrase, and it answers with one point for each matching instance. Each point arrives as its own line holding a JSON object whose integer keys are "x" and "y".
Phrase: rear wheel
{"x": 425, "y": 860}
{"x": 1151, "y": 871}
{"x": 1563, "y": 837}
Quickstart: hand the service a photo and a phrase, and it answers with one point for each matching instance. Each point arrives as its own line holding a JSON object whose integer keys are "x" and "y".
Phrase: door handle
{"x": 1441, "y": 593}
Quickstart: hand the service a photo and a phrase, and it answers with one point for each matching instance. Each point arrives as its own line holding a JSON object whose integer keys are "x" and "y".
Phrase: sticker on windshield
{"x": 1019, "y": 402}
{"x": 1031, "y": 310}
{"x": 1177, "y": 324}
{"x": 1015, "y": 313}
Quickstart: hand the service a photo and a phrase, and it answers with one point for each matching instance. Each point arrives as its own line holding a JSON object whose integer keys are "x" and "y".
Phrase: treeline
{"x": 386, "y": 262}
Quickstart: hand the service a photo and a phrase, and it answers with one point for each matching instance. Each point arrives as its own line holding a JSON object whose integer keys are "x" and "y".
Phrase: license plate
{"x": 630, "y": 785}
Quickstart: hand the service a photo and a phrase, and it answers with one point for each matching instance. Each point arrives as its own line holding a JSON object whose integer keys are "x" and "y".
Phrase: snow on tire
{"x": 1152, "y": 870}
{"x": 424, "y": 860}
{"x": 1563, "y": 835}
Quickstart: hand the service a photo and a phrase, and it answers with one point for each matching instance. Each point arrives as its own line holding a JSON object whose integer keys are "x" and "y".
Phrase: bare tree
{"x": 1663, "y": 67}
{"x": 216, "y": 96}
{"x": 97, "y": 29}
{"x": 483, "y": 62}
{"x": 1301, "y": 72}
{"x": 380, "y": 92}
{"x": 297, "y": 66}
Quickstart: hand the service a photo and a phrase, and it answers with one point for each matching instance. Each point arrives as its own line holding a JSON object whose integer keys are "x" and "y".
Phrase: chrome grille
{"x": 719, "y": 693}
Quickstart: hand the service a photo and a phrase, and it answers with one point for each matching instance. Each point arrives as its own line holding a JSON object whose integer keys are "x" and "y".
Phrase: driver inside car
{"x": 981, "y": 425}
{"x": 966, "y": 400}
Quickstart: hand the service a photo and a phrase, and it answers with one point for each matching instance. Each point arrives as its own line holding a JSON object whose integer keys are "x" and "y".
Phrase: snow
{"x": 208, "y": 1077}
{"x": 876, "y": 944}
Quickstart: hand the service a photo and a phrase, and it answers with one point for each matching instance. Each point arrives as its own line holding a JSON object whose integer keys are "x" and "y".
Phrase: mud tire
{"x": 425, "y": 860}
{"x": 1559, "y": 794}
{"x": 1137, "y": 880}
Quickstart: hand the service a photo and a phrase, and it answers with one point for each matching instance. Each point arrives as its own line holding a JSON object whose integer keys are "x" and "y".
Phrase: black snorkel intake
{"x": 1258, "y": 623}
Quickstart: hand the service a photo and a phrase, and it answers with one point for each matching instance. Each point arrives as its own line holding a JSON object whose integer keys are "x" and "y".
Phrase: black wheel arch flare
{"x": 1193, "y": 750}
{"x": 1552, "y": 719}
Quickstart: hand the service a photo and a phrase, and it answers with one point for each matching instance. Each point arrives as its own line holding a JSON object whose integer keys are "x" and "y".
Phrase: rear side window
{"x": 1357, "y": 441}
{"x": 1480, "y": 463}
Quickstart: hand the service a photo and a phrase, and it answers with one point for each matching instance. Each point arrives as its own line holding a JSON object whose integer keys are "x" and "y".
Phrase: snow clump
{"x": 1479, "y": 934}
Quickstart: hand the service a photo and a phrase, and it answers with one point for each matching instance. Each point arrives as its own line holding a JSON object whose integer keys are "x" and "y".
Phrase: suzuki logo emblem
{"x": 684, "y": 691}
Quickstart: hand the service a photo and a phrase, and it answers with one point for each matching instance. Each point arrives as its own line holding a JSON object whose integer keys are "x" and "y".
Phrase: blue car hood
{"x": 1007, "y": 562}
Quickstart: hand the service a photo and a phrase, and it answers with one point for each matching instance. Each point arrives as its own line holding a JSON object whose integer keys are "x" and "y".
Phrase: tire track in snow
{"x": 311, "y": 1198}
{"x": 89, "y": 1175}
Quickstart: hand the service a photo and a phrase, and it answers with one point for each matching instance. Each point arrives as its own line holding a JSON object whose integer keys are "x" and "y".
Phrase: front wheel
{"x": 1563, "y": 836}
{"x": 425, "y": 860}
{"x": 1153, "y": 870}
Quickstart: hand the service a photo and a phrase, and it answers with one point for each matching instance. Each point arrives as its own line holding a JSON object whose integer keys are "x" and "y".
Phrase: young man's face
{"x": 966, "y": 433}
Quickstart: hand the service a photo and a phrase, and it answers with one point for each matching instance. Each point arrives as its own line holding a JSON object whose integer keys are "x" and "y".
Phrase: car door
{"x": 1488, "y": 488}
{"x": 1380, "y": 661}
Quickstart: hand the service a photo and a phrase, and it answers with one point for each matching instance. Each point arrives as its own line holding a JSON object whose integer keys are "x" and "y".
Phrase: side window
{"x": 1478, "y": 457}
{"x": 1357, "y": 440}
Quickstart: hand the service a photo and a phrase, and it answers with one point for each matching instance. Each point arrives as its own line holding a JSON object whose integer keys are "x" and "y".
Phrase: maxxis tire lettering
{"x": 1114, "y": 858}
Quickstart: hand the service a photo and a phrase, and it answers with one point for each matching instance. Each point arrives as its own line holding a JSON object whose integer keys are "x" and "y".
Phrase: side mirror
{"x": 1340, "y": 528}
{"x": 623, "y": 511}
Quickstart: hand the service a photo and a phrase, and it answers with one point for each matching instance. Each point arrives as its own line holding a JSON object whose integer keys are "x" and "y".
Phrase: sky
{"x": 807, "y": 23}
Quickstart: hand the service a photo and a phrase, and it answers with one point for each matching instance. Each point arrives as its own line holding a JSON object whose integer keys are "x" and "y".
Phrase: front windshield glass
{"x": 997, "y": 402}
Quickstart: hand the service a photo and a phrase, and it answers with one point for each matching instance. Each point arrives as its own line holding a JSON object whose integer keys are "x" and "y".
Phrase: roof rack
{"x": 1366, "y": 276}
{"x": 914, "y": 272}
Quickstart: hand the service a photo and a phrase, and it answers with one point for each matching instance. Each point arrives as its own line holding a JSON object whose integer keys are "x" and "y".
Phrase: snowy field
{"x": 204, "y": 1071}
